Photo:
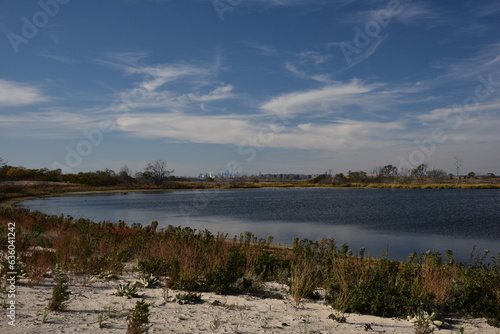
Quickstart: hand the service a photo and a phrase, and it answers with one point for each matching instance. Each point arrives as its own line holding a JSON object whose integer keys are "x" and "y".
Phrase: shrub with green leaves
{"x": 60, "y": 293}
{"x": 128, "y": 290}
{"x": 221, "y": 280}
{"x": 138, "y": 318}
{"x": 155, "y": 266}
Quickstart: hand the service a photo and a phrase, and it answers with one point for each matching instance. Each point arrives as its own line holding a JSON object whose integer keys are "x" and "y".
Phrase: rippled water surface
{"x": 398, "y": 221}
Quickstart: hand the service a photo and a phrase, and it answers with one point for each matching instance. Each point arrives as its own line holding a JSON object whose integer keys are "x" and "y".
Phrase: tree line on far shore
{"x": 156, "y": 173}
{"x": 391, "y": 174}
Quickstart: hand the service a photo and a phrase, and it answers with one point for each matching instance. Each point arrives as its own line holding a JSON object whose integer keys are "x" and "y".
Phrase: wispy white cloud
{"x": 314, "y": 57}
{"x": 322, "y": 77}
{"x": 329, "y": 98}
{"x": 188, "y": 128}
{"x": 59, "y": 58}
{"x": 264, "y": 49}
{"x": 294, "y": 70}
{"x": 14, "y": 94}
{"x": 483, "y": 62}
{"x": 340, "y": 135}
{"x": 177, "y": 86}
{"x": 414, "y": 12}
{"x": 219, "y": 93}
{"x": 443, "y": 114}
{"x": 404, "y": 11}
{"x": 482, "y": 9}
{"x": 54, "y": 123}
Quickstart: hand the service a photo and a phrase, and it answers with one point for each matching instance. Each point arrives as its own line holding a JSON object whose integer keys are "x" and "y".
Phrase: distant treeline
{"x": 391, "y": 174}
{"x": 156, "y": 174}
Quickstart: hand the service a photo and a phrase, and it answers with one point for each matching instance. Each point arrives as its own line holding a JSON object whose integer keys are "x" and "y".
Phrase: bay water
{"x": 386, "y": 222}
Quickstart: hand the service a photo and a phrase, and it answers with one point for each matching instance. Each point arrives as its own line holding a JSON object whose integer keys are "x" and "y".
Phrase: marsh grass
{"x": 303, "y": 282}
{"x": 199, "y": 261}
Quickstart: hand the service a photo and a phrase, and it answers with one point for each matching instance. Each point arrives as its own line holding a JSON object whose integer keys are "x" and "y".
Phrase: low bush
{"x": 155, "y": 266}
{"x": 60, "y": 293}
{"x": 138, "y": 318}
{"x": 128, "y": 290}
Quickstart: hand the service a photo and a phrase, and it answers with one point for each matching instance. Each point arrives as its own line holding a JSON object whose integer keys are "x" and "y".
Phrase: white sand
{"x": 241, "y": 314}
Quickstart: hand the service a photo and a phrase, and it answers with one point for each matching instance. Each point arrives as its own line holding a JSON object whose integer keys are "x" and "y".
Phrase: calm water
{"x": 398, "y": 221}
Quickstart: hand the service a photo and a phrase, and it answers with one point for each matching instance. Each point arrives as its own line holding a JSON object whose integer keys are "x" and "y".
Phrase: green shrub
{"x": 128, "y": 290}
{"x": 155, "y": 266}
{"x": 138, "y": 318}
{"x": 60, "y": 293}
{"x": 221, "y": 280}
{"x": 267, "y": 265}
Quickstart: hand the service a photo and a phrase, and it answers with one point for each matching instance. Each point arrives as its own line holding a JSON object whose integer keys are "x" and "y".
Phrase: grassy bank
{"x": 194, "y": 261}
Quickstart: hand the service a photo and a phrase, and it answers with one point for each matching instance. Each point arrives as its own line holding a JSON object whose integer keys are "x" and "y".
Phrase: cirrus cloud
{"x": 13, "y": 94}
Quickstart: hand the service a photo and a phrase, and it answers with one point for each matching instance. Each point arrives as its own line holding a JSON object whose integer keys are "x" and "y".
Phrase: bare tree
{"x": 387, "y": 173}
{"x": 156, "y": 172}
{"x": 125, "y": 175}
{"x": 458, "y": 165}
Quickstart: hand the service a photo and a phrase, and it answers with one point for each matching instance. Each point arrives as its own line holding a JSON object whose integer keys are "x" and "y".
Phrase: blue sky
{"x": 275, "y": 86}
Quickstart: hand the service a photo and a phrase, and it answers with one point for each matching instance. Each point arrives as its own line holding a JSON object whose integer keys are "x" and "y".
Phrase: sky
{"x": 255, "y": 86}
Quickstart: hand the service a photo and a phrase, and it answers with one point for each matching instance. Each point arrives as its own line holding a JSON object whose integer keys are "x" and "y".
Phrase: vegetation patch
{"x": 195, "y": 261}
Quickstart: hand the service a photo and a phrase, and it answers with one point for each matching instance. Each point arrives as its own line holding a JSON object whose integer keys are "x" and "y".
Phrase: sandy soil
{"x": 93, "y": 298}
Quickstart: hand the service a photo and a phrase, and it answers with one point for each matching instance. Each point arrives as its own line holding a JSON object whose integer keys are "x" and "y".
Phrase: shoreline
{"x": 12, "y": 201}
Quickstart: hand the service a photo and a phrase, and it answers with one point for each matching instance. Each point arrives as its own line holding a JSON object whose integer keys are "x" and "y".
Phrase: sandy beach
{"x": 93, "y": 307}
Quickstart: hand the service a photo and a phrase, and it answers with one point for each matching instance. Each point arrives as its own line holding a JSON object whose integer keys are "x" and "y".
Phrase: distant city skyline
{"x": 299, "y": 86}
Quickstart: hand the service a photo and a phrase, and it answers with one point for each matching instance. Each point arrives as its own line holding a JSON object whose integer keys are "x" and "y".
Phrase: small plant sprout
{"x": 150, "y": 282}
{"x": 106, "y": 313}
{"x": 423, "y": 322}
{"x": 45, "y": 316}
